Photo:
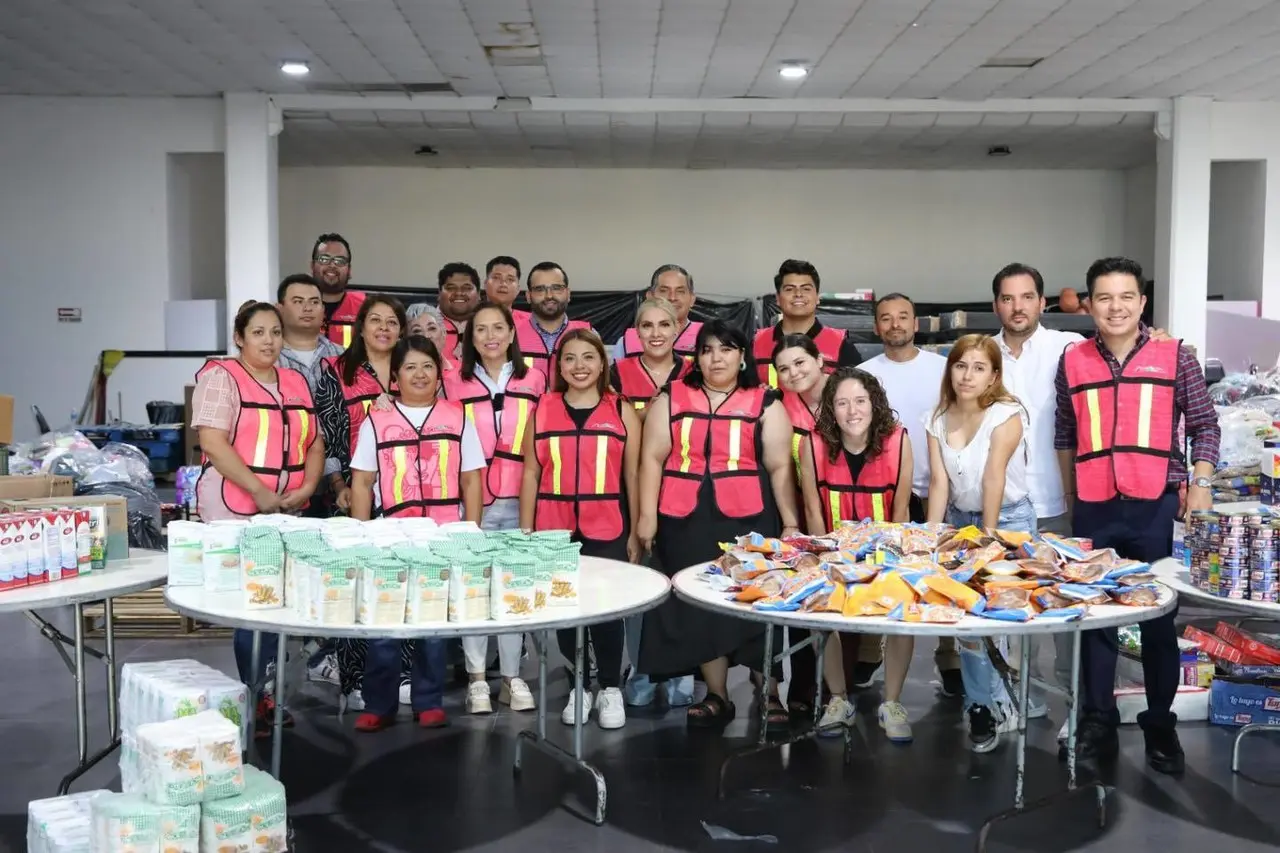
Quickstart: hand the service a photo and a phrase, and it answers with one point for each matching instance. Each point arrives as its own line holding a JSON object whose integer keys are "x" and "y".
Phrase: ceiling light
{"x": 999, "y": 151}
{"x": 295, "y": 68}
{"x": 793, "y": 71}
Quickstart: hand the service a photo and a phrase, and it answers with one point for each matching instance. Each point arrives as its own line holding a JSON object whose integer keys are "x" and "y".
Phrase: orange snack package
{"x": 962, "y": 596}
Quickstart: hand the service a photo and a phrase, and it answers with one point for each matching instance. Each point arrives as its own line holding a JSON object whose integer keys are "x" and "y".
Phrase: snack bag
{"x": 891, "y": 589}
{"x": 1011, "y": 538}
{"x": 812, "y": 544}
{"x": 835, "y": 601}
{"x": 1010, "y": 614}
{"x": 961, "y": 595}
{"x": 964, "y": 538}
{"x": 760, "y": 544}
{"x": 1049, "y": 599}
{"x": 801, "y": 586}
{"x": 1085, "y": 573}
{"x": 1067, "y": 549}
{"x": 1009, "y": 599}
{"x": 818, "y": 600}
{"x": 852, "y": 572}
{"x": 1134, "y": 579}
{"x": 1136, "y": 596}
{"x": 1083, "y": 593}
{"x": 1039, "y": 551}
{"x": 1125, "y": 568}
{"x": 1038, "y": 568}
{"x": 1002, "y": 568}
{"x": 861, "y": 601}
{"x": 919, "y": 539}
{"x": 775, "y": 604}
{"x": 935, "y": 613}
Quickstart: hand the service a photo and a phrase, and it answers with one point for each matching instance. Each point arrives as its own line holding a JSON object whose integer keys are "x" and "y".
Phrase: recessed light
{"x": 793, "y": 71}
{"x": 295, "y": 68}
{"x": 999, "y": 151}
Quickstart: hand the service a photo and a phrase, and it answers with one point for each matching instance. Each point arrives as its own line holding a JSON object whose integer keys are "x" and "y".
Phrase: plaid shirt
{"x": 325, "y": 348}
{"x": 1191, "y": 404}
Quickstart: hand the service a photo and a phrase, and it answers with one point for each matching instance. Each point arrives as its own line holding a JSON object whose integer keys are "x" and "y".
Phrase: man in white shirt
{"x": 912, "y": 380}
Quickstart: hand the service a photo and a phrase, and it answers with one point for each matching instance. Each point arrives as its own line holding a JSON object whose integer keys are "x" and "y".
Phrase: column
{"x": 253, "y": 265}
{"x": 1183, "y": 157}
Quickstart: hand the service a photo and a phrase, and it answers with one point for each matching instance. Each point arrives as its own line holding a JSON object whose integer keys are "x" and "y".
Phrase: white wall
{"x": 84, "y": 223}
{"x": 935, "y": 235}
{"x": 1237, "y": 219}
{"x": 197, "y": 205}
{"x": 1139, "y": 217}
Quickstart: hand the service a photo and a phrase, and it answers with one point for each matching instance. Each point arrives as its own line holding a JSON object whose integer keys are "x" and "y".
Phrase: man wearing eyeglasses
{"x": 799, "y": 287}
{"x": 331, "y": 267}
{"x": 458, "y": 299}
{"x": 539, "y": 333}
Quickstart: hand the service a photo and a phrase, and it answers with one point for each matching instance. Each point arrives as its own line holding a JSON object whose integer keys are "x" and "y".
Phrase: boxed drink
{"x": 60, "y": 539}
{"x": 109, "y": 521}
{"x": 31, "y": 532}
{"x": 13, "y": 554}
{"x": 84, "y": 541}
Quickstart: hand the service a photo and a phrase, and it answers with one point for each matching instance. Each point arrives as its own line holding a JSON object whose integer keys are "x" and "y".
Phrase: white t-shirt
{"x": 365, "y": 455}
{"x": 305, "y": 356}
{"x": 912, "y": 387}
{"x": 965, "y": 465}
{"x": 1029, "y": 377}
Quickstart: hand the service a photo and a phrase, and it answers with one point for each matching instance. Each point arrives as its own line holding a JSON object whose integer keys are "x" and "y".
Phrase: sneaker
{"x": 265, "y": 718}
{"x": 326, "y": 671}
{"x": 478, "y": 699}
{"x": 893, "y": 719}
{"x": 1164, "y": 751}
{"x": 864, "y": 674}
{"x": 984, "y": 735}
{"x": 680, "y": 691}
{"x": 639, "y": 690}
{"x": 353, "y": 701}
{"x": 373, "y": 723}
{"x": 1037, "y": 708}
{"x": 570, "y": 713}
{"x": 433, "y": 719}
{"x": 406, "y": 693}
{"x": 1096, "y": 738}
{"x": 1007, "y": 718}
{"x": 952, "y": 683}
{"x": 516, "y": 694}
{"x": 838, "y": 713}
{"x": 611, "y": 710}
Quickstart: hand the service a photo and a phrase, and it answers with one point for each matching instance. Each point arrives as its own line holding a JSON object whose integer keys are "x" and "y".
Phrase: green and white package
{"x": 253, "y": 822}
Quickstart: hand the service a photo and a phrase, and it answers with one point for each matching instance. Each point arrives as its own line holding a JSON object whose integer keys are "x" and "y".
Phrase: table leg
{"x": 1249, "y": 729}
{"x": 113, "y": 688}
{"x": 277, "y": 734}
{"x": 255, "y": 656}
{"x": 538, "y": 740}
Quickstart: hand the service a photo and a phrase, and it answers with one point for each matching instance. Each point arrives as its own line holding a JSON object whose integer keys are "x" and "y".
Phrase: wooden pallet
{"x": 145, "y": 615}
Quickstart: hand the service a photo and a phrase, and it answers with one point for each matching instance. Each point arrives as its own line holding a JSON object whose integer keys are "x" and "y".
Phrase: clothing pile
{"x": 930, "y": 573}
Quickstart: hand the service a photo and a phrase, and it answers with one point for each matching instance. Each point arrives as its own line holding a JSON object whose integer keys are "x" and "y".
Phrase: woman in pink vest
{"x": 248, "y": 470}
{"x": 421, "y": 459}
{"x": 499, "y": 394}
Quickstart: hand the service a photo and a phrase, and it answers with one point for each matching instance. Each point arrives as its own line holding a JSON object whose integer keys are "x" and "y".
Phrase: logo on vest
{"x": 608, "y": 425}
{"x": 292, "y": 399}
{"x": 437, "y": 428}
{"x": 1150, "y": 368}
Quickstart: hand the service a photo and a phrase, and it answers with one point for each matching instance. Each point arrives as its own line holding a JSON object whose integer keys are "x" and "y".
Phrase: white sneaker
{"x": 570, "y": 713}
{"x": 1062, "y": 732}
{"x": 325, "y": 671}
{"x": 478, "y": 699}
{"x": 353, "y": 701}
{"x": 406, "y": 693}
{"x": 611, "y": 708}
{"x": 838, "y": 713}
{"x": 893, "y": 719}
{"x": 516, "y": 694}
{"x": 1006, "y": 718}
{"x": 1037, "y": 708}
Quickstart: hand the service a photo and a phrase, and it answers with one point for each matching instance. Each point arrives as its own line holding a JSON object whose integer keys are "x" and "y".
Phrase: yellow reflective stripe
{"x": 366, "y": 404}
{"x": 639, "y": 404}
{"x": 834, "y": 500}
{"x": 401, "y": 465}
{"x": 773, "y": 376}
{"x": 877, "y": 507}
{"x": 1095, "y": 420}
{"x": 522, "y": 418}
{"x": 260, "y": 449}
{"x": 795, "y": 449}
{"x": 528, "y": 361}
{"x": 302, "y": 436}
{"x": 442, "y": 454}
{"x": 470, "y": 410}
{"x": 555, "y": 464}
{"x": 346, "y": 335}
{"x": 686, "y": 426}
{"x": 1144, "y": 414}
{"x": 602, "y": 455}
{"x": 735, "y": 444}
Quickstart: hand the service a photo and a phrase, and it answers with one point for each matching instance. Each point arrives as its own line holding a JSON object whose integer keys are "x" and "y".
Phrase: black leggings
{"x": 607, "y": 641}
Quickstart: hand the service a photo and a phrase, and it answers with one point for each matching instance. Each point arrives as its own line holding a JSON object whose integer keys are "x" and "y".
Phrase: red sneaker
{"x": 373, "y": 723}
{"x": 433, "y": 719}
{"x": 265, "y": 715}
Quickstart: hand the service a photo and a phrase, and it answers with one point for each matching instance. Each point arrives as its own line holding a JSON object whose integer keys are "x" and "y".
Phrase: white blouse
{"x": 965, "y": 465}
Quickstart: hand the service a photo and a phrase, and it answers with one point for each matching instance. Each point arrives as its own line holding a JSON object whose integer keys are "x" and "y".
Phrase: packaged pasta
{"x": 939, "y": 614}
{"x": 959, "y": 594}
{"x": 1086, "y": 573}
{"x": 1137, "y": 596}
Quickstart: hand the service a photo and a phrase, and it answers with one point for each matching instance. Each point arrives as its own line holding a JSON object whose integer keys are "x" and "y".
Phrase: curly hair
{"x": 883, "y": 417}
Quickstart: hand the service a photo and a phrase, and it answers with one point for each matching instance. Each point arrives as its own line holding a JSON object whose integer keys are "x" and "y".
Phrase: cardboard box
{"x": 117, "y": 513}
{"x": 6, "y": 419}
{"x": 1247, "y": 643}
{"x": 1270, "y": 480}
{"x": 37, "y": 486}
{"x": 1239, "y": 703}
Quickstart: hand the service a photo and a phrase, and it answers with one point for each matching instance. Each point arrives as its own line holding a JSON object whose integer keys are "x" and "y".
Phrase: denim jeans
{"x": 639, "y": 688}
{"x": 982, "y": 683}
{"x": 381, "y": 690}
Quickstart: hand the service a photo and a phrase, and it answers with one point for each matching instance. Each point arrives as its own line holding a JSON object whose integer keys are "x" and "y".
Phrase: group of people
{"x": 692, "y": 434}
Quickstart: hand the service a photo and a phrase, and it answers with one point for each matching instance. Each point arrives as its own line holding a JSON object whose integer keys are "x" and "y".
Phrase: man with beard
{"x": 539, "y": 333}
{"x": 799, "y": 286}
{"x": 502, "y": 284}
{"x": 459, "y": 296}
{"x": 331, "y": 267}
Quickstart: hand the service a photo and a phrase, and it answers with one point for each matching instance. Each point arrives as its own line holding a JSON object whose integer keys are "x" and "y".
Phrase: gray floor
{"x": 453, "y": 790}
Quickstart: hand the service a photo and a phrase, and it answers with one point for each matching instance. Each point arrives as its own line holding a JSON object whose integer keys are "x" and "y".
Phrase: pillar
{"x": 253, "y": 264}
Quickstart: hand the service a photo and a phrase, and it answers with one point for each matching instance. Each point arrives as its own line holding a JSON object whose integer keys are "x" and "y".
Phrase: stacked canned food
{"x": 1264, "y": 535}
{"x": 1233, "y": 555}
{"x": 1201, "y": 542}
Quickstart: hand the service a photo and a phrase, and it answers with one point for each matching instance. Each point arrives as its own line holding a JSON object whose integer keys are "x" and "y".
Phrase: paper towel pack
{"x": 254, "y": 822}
{"x": 186, "y": 553}
{"x": 61, "y": 824}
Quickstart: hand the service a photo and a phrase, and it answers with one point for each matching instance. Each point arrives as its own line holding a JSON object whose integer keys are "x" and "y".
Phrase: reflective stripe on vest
{"x": 637, "y": 385}
{"x": 720, "y": 446}
{"x": 502, "y": 451}
{"x": 580, "y": 488}
{"x": 802, "y": 423}
{"x": 871, "y": 496}
{"x": 685, "y": 343}
{"x": 531, "y": 344}
{"x": 1126, "y": 424}
{"x": 828, "y": 341}
{"x": 340, "y": 327}
{"x": 271, "y": 437}
{"x": 420, "y": 469}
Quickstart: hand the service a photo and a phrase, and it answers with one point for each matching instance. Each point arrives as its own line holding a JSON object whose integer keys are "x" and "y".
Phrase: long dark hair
{"x": 731, "y": 336}
{"x": 558, "y": 383}
{"x": 799, "y": 341}
{"x": 883, "y": 417}
{"x": 357, "y": 354}
{"x": 471, "y": 356}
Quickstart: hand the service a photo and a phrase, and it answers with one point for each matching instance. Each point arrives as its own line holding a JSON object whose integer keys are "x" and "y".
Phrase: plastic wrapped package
{"x": 61, "y": 824}
{"x": 129, "y": 823}
{"x": 1244, "y": 429}
{"x": 253, "y": 822}
{"x": 1235, "y": 387}
{"x": 189, "y": 760}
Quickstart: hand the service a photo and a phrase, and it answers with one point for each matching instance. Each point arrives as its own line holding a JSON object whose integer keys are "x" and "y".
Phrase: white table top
{"x": 607, "y": 590}
{"x": 143, "y": 570}
{"x": 1172, "y": 573}
{"x": 691, "y": 585}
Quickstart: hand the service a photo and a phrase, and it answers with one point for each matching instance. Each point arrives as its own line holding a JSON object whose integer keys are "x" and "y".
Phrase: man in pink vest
{"x": 331, "y": 268}
{"x": 1120, "y": 398}
{"x": 539, "y": 333}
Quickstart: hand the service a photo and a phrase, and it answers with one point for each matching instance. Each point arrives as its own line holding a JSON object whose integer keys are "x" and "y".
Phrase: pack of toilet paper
{"x": 186, "y": 553}
{"x": 129, "y": 823}
{"x": 189, "y": 760}
{"x": 61, "y": 824}
{"x": 253, "y": 822}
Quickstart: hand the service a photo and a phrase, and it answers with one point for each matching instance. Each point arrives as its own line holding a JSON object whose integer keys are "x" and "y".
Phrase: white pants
{"x": 502, "y": 514}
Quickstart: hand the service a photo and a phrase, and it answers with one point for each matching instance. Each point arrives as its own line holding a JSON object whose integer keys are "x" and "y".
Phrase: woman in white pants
{"x": 500, "y": 394}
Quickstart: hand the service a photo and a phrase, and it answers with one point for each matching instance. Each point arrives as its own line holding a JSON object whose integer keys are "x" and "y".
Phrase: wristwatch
{"x": 1202, "y": 482}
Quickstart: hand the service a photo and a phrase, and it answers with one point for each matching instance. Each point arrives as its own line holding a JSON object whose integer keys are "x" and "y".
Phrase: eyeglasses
{"x": 544, "y": 289}
{"x": 331, "y": 260}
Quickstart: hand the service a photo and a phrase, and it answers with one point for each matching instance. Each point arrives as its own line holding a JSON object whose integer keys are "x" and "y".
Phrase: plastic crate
{"x": 165, "y": 456}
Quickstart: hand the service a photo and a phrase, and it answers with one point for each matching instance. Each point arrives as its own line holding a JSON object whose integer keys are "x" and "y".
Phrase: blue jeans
{"x": 639, "y": 689}
{"x": 381, "y": 688}
{"x": 242, "y": 645}
{"x": 982, "y": 684}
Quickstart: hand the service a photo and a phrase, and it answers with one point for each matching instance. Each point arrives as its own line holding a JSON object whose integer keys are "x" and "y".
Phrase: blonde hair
{"x": 662, "y": 305}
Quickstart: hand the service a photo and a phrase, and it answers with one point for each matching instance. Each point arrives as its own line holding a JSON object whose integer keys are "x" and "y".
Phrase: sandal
{"x": 711, "y": 712}
{"x": 776, "y": 717}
